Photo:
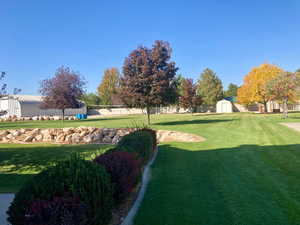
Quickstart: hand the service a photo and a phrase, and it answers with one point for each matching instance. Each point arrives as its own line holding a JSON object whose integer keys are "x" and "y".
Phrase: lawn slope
{"x": 247, "y": 172}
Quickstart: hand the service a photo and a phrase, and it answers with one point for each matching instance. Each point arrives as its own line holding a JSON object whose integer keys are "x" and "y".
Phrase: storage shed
{"x": 29, "y": 106}
{"x": 224, "y": 106}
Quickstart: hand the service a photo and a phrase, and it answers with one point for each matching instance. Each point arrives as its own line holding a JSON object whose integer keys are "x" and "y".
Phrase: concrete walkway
{"x": 295, "y": 126}
{"x": 5, "y": 200}
{"x": 145, "y": 180}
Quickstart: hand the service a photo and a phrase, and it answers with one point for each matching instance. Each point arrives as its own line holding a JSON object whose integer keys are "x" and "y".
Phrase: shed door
{"x": 224, "y": 107}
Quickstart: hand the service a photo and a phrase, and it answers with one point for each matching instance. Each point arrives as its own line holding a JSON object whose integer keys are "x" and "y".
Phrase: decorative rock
{"x": 35, "y": 131}
{"x": 28, "y": 138}
{"x": 9, "y": 136}
{"x": 76, "y": 138}
{"x": 68, "y": 139}
{"x": 3, "y": 133}
{"x": 116, "y": 139}
{"x": 68, "y": 130}
{"x": 16, "y": 133}
{"x": 39, "y": 137}
{"x": 60, "y": 137}
{"x": 88, "y": 139}
{"x": 106, "y": 139}
{"x": 47, "y": 137}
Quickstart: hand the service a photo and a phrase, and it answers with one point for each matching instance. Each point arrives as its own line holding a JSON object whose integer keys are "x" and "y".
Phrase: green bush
{"x": 79, "y": 178}
{"x": 140, "y": 142}
{"x": 153, "y": 135}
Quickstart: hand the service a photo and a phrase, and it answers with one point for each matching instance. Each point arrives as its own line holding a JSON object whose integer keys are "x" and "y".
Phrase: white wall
{"x": 3, "y": 104}
{"x": 30, "y": 109}
{"x": 224, "y": 106}
{"x": 128, "y": 111}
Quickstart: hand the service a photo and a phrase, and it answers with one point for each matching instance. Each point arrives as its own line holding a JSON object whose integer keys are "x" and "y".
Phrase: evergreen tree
{"x": 231, "y": 91}
{"x": 210, "y": 87}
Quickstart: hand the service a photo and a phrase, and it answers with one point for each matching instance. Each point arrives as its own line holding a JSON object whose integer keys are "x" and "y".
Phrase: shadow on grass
{"x": 260, "y": 182}
{"x": 186, "y": 122}
{"x": 19, "y": 162}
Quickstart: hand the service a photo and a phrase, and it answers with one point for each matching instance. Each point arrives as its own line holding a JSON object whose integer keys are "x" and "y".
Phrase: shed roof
{"x": 27, "y": 98}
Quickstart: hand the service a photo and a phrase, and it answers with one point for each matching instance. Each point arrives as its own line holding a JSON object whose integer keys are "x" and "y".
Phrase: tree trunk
{"x": 265, "y": 107}
{"x": 63, "y": 115}
{"x": 148, "y": 114}
{"x": 285, "y": 109}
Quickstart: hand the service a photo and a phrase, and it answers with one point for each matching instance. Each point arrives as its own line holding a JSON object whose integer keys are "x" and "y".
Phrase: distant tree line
{"x": 149, "y": 79}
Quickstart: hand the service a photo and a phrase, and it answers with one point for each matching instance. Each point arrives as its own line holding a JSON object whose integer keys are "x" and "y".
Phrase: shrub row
{"x": 142, "y": 142}
{"x": 79, "y": 192}
{"x": 77, "y": 178}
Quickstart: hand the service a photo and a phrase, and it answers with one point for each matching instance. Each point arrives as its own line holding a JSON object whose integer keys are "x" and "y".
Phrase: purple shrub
{"x": 58, "y": 211}
{"x": 124, "y": 169}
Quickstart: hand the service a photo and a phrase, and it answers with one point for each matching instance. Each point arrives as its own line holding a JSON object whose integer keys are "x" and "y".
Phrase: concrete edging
{"x": 145, "y": 180}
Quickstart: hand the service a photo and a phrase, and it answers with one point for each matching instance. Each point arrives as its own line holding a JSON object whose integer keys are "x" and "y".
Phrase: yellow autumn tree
{"x": 109, "y": 85}
{"x": 254, "y": 89}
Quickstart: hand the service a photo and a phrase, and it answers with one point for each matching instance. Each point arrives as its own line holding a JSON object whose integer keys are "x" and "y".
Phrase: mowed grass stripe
{"x": 245, "y": 173}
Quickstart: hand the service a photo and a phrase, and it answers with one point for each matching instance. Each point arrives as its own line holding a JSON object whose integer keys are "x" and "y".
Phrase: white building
{"x": 29, "y": 106}
{"x": 224, "y": 106}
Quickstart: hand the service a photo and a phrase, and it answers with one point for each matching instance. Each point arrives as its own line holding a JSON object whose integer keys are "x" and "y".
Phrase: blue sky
{"x": 228, "y": 36}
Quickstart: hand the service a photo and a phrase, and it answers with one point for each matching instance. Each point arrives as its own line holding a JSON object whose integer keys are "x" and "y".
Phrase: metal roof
{"x": 27, "y": 98}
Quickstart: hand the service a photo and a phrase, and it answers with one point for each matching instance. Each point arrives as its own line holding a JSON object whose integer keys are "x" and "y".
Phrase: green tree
{"x": 91, "y": 99}
{"x": 231, "y": 90}
{"x": 284, "y": 88}
{"x": 210, "y": 87}
{"x": 109, "y": 86}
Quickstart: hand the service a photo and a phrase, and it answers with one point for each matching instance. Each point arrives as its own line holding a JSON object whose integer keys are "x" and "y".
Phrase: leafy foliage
{"x": 189, "y": 98}
{"x": 63, "y": 90}
{"x": 210, "y": 87}
{"x": 60, "y": 210}
{"x": 124, "y": 169}
{"x": 83, "y": 179}
{"x": 284, "y": 88}
{"x": 254, "y": 89}
{"x": 91, "y": 99}
{"x": 149, "y": 77}
{"x": 231, "y": 90}
{"x": 153, "y": 136}
{"x": 109, "y": 87}
{"x": 140, "y": 142}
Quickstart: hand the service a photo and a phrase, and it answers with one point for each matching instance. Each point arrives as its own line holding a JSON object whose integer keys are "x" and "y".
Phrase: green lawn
{"x": 20, "y": 162}
{"x": 247, "y": 172}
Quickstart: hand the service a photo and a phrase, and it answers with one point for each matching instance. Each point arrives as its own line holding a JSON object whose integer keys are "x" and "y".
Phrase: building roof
{"x": 27, "y": 98}
{"x": 231, "y": 99}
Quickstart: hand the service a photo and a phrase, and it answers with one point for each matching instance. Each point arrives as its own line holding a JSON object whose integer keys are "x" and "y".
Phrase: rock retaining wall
{"x": 15, "y": 118}
{"x": 80, "y": 135}
{"x": 86, "y": 135}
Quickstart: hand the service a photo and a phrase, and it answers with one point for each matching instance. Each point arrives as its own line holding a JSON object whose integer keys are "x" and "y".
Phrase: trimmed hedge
{"x": 125, "y": 171}
{"x": 153, "y": 135}
{"x": 81, "y": 179}
{"x": 60, "y": 210}
{"x": 140, "y": 141}
{"x": 79, "y": 192}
